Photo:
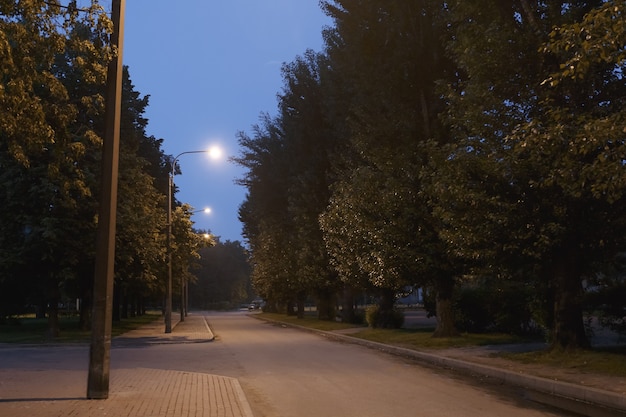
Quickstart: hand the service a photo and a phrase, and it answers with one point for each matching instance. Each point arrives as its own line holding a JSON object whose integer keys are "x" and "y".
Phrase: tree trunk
{"x": 53, "y": 329}
{"x": 124, "y": 300}
{"x": 385, "y": 319}
{"x": 325, "y": 305}
{"x": 41, "y": 310}
{"x": 347, "y": 305}
{"x": 116, "y": 302}
{"x": 85, "y": 312}
{"x": 300, "y": 304}
{"x": 444, "y": 288}
{"x": 568, "y": 331}
{"x": 133, "y": 310}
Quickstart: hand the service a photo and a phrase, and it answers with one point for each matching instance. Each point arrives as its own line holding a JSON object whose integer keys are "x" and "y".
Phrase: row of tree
{"x": 445, "y": 144}
{"x": 53, "y": 61}
{"x": 222, "y": 278}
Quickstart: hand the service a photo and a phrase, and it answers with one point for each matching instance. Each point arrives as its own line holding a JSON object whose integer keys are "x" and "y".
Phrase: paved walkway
{"x": 165, "y": 393}
{"x": 132, "y": 392}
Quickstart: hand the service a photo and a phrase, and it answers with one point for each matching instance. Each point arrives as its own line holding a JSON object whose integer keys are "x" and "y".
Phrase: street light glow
{"x": 215, "y": 152}
{"x": 206, "y": 210}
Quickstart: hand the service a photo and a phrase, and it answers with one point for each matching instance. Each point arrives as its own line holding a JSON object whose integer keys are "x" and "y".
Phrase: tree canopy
{"x": 446, "y": 145}
{"x": 53, "y": 74}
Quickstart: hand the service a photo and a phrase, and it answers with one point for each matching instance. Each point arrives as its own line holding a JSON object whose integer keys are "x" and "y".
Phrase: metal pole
{"x": 100, "y": 348}
{"x": 168, "y": 298}
{"x": 186, "y": 298}
{"x": 168, "y": 292}
{"x": 182, "y": 298}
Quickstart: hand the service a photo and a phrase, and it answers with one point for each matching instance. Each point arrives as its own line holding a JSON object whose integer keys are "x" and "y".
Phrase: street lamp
{"x": 100, "y": 347}
{"x": 206, "y": 210}
{"x": 214, "y": 152}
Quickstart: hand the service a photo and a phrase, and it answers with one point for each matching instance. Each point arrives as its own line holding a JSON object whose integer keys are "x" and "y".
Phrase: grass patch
{"x": 607, "y": 362}
{"x": 610, "y": 362}
{"x": 422, "y": 338}
{"x": 310, "y": 320}
{"x": 33, "y": 331}
{"x": 408, "y": 338}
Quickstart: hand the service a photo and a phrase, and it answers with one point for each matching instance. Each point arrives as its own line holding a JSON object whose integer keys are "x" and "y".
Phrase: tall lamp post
{"x": 214, "y": 152}
{"x": 100, "y": 347}
{"x": 99, "y": 351}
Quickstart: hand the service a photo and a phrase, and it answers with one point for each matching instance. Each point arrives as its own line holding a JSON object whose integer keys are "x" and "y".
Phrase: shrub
{"x": 499, "y": 305}
{"x": 386, "y": 319}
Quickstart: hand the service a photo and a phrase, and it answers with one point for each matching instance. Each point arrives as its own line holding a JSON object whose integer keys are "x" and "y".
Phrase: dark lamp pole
{"x": 168, "y": 295}
{"x": 100, "y": 348}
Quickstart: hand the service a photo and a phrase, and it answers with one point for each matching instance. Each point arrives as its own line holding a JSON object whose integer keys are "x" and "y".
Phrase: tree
{"x": 54, "y": 65}
{"x": 523, "y": 196}
{"x": 43, "y": 46}
{"x": 186, "y": 244}
{"x": 140, "y": 241}
{"x": 390, "y": 58}
{"x": 223, "y": 277}
{"x": 309, "y": 142}
{"x": 266, "y": 222}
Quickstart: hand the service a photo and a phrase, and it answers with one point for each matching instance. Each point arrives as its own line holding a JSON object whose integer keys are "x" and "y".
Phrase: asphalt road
{"x": 289, "y": 373}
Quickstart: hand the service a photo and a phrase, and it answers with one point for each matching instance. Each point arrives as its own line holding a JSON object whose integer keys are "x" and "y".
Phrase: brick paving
{"x": 138, "y": 392}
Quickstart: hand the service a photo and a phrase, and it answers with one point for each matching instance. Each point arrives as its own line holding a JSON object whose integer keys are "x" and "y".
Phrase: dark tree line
{"x": 455, "y": 146}
{"x": 221, "y": 278}
{"x": 53, "y": 63}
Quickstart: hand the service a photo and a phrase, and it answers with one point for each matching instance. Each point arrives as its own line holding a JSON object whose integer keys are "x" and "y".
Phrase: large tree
{"x": 44, "y": 49}
{"x": 266, "y": 222}
{"x": 389, "y": 57}
{"x": 538, "y": 184}
{"x": 54, "y": 61}
{"x": 223, "y": 277}
{"x": 309, "y": 142}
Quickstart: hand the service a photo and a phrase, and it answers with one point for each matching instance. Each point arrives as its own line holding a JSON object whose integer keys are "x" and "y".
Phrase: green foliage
{"x": 467, "y": 141}
{"x": 605, "y": 296}
{"x": 53, "y": 65}
{"x": 32, "y": 330}
{"x": 603, "y": 362}
{"x": 535, "y": 182}
{"x": 509, "y": 309}
{"x": 288, "y": 188}
{"x": 53, "y": 68}
{"x": 376, "y": 318}
{"x": 222, "y": 277}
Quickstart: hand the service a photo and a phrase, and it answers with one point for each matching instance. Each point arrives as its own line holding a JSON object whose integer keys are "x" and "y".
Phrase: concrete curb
{"x": 589, "y": 400}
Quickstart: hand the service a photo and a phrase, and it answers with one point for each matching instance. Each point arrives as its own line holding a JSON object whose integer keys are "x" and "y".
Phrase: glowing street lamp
{"x": 206, "y": 210}
{"x": 214, "y": 153}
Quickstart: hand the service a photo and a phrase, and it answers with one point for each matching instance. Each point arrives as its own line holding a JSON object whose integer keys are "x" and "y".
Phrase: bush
{"x": 352, "y": 316}
{"x": 501, "y": 306}
{"x": 386, "y": 319}
{"x": 607, "y": 301}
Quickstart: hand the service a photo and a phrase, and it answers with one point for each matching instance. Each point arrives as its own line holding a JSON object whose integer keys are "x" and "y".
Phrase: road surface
{"x": 285, "y": 372}
{"x": 289, "y": 373}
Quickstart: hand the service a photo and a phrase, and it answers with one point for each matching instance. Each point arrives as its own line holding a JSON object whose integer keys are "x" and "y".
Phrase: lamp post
{"x": 99, "y": 351}
{"x": 214, "y": 152}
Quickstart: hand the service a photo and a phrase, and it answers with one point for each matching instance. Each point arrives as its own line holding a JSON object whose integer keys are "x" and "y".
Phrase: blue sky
{"x": 211, "y": 67}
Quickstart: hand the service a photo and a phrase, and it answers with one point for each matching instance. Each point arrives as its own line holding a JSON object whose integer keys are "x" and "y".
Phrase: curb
{"x": 576, "y": 398}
